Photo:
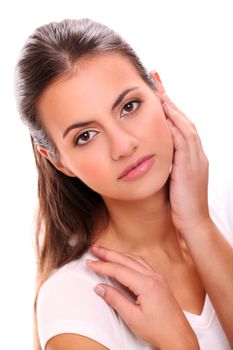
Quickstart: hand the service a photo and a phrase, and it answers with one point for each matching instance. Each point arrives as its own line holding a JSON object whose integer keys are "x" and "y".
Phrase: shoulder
{"x": 68, "y": 278}
{"x": 67, "y": 304}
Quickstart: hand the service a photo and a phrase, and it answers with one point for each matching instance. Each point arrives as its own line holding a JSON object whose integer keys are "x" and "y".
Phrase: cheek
{"x": 162, "y": 133}
{"x": 158, "y": 132}
{"x": 90, "y": 172}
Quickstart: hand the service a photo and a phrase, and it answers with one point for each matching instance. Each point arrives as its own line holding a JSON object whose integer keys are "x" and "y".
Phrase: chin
{"x": 141, "y": 190}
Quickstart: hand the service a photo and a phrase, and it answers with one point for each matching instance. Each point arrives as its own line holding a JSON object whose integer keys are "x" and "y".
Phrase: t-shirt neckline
{"x": 203, "y": 320}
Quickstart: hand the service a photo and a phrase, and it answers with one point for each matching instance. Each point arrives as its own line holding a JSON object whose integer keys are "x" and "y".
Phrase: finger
{"x": 139, "y": 259}
{"x": 179, "y": 141}
{"x": 186, "y": 127}
{"x": 178, "y": 118}
{"x": 171, "y": 107}
{"x": 125, "y": 259}
{"x": 166, "y": 99}
{"x": 187, "y": 154}
{"x": 127, "y": 276}
{"x": 129, "y": 312}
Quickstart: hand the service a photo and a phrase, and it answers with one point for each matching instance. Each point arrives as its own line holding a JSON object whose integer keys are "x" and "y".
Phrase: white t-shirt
{"x": 68, "y": 304}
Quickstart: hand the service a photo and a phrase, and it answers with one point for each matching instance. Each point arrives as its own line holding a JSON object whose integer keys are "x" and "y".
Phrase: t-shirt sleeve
{"x": 68, "y": 304}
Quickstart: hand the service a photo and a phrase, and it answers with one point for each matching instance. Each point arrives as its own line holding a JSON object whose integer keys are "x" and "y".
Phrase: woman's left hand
{"x": 189, "y": 174}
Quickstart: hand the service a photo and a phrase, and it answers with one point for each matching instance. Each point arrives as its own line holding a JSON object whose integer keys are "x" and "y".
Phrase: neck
{"x": 140, "y": 226}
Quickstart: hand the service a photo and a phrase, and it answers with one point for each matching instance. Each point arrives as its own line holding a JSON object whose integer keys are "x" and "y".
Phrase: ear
{"x": 57, "y": 164}
{"x": 158, "y": 83}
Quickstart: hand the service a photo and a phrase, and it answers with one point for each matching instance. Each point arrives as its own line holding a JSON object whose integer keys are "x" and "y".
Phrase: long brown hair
{"x": 68, "y": 209}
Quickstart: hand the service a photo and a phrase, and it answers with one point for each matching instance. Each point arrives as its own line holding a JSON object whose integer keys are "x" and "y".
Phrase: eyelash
{"x": 89, "y": 131}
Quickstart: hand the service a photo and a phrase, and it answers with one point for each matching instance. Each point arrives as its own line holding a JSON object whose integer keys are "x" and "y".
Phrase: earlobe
{"x": 56, "y": 164}
{"x": 63, "y": 169}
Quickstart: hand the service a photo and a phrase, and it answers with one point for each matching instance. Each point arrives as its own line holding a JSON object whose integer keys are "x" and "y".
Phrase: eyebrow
{"x": 115, "y": 104}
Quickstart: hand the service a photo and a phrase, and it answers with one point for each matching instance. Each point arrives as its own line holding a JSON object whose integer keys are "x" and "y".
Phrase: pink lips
{"x": 138, "y": 168}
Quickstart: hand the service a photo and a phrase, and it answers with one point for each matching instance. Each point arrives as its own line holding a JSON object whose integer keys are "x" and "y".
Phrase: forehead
{"x": 92, "y": 85}
{"x": 108, "y": 67}
{"x": 104, "y": 70}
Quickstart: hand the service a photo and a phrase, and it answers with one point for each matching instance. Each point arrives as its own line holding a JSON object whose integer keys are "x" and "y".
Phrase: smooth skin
{"x": 176, "y": 259}
{"x": 155, "y": 305}
{"x": 212, "y": 255}
{"x": 168, "y": 323}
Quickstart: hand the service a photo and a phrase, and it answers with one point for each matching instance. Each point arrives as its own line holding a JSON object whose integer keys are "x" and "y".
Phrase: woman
{"x": 123, "y": 201}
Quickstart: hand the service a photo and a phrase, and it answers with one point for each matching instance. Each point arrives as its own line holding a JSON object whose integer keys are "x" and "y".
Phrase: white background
{"x": 188, "y": 42}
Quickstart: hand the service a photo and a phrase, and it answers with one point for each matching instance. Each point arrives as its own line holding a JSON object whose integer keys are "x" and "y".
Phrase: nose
{"x": 122, "y": 143}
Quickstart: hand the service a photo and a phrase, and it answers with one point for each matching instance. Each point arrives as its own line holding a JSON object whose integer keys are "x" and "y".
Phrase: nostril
{"x": 123, "y": 149}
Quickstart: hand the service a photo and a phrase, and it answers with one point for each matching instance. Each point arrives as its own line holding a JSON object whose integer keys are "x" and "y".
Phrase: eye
{"x": 85, "y": 137}
{"x": 129, "y": 106}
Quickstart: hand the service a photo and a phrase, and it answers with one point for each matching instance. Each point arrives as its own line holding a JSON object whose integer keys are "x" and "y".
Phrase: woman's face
{"x": 97, "y": 139}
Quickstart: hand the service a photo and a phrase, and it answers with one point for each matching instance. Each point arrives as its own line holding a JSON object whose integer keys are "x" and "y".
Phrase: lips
{"x": 134, "y": 165}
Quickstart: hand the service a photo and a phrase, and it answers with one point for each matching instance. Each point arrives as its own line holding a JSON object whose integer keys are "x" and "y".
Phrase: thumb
{"x": 128, "y": 311}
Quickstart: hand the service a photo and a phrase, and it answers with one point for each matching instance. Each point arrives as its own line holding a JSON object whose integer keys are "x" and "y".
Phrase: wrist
{"x": 181, "y": 339}
{"x": 203, "y": 225}
{"x": 190, "y": 343}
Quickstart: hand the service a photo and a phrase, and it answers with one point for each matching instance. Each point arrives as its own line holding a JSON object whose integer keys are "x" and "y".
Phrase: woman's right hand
{"x": 155, "y": 316}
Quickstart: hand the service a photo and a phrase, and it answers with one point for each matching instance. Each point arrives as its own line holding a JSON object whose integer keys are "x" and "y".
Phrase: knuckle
{"x": 206, "y": 160}
{"x": 99, "y": 265}
{"x": 108, "y": 296}
{"x": 118, "y": 273}
{"x": 193, "y": 125}
{"x": 192, "y": 135}
{"x": 157, "y": 280}
{"x": 150, "y": 282}
{"x": 106, "y": 254}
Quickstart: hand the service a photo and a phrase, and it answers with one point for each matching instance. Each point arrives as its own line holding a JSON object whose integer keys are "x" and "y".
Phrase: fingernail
{"x": 99, "y": 290}
{"x": 88, "y": 261}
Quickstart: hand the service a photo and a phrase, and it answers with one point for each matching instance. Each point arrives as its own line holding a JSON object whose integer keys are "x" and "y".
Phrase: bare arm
{"x": 211, "y": 253}
{"x": 213, "y": 257}
{"x": 73, "y": 342}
